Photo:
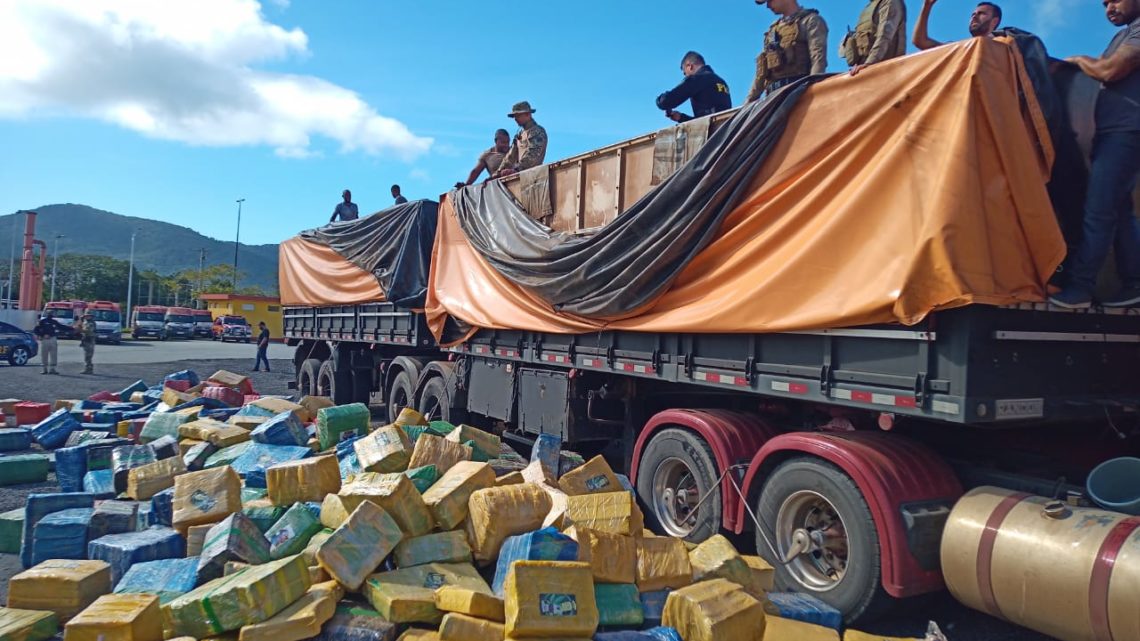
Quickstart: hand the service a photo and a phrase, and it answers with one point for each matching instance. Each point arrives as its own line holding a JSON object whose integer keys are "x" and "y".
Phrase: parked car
{"x": 232, "y": 328}
{"x": 16, "y": 345}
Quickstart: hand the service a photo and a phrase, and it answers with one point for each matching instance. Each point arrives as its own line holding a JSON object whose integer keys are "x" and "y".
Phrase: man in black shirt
{"x": 46, "y": 331}
{"x": 707, "y": 91}
{"x": 400, "y": 200}
{"x": 262, "y": 348}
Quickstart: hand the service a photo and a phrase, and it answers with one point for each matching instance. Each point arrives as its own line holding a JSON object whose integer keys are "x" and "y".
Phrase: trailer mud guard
{"x": 733, "y": 436}
{"x": 898, "y": 478}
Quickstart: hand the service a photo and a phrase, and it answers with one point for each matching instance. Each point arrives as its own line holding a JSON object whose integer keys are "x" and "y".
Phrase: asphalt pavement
{"x": 152, "y": 351}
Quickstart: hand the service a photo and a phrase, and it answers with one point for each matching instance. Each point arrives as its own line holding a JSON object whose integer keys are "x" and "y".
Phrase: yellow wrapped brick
{"x": 717, "y": 558}
{"x": 460, "y": 627}
{"x": 486, "y": 442}
{"x": 856, "y": 635}
{"x": 473, "y": 603}
{"x": 227, "y": 378}
{"x": 205, "y": 497}
{"x": 714, "y": 610}
{"x": 437, "y": 451}
{"x": 117, "y": 617}
{"x": 447, "y": 498}
{"x": 356, "y": 548}
{"x": 385, "y": 450}
{"x": 191, "y": 413}
{"x": 219, "y": 434}
{"x": 335, "y": 510}
{"x": 196, "y": 538}
{"x": 496, "y": 513}
{"x": 662, "y": 563}
{"x": 416, "y": 634}
{"x": 594, "y": 477}
{"x": 409, "y": 416}
{"x": 407, "y": 595}
{"x": 145, "y": 481}
{"x": 514, "y": 478}
{"x": 174, "y": 398}
{"x": 550, "y": 599}
{"x": 59, "y": 404}
{"x": 187, "y": 444}
{"x": 63, "y": 587}
{"x": 539, "y": 474}
{"x": 247, "y": 423}
{"x": 27, "y": 625}
{"x": 396, "y": 494}
{"x": 318, "y": 575}
{"x": 612, "y": 557}
{"x": 559, "y": 505}
{"x": 307, "y": 479}
{"x": 315, "y": 543}
{"x": 440, "y": 547}
{"x": 301, "y": 620}
{"x": 314, "y": 403}
{"x": 613, "y": 512}
{"x": 781, "y": 629}
{"x": 280, "y": 406}
{"x": 763, "y": 575}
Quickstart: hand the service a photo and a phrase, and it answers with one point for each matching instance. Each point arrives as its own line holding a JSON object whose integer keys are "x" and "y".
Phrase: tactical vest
{"x": 785, "y": 53}
{"x": 857, "y": 44}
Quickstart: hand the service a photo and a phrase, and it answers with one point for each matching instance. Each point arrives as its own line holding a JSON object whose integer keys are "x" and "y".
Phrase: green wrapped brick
{"x": 441, "y": 428}
{"x": 264, "y": 516}
{"x": 27, "y": 625}
{"x": 292, "y": 532}
{"x": 335, "y": 424}
{"x": 250, "y": 494}
{"x": 248, "y": 596}
{"x": 11, "y": 530}
{"x": 23, "y": 468}
{"x": 441, "y": 547}
{"x": 423, "y": 477}
{"x": 414, "y": 432}
{"x": 227, "y": 455}
{"x": 619, "y": 604}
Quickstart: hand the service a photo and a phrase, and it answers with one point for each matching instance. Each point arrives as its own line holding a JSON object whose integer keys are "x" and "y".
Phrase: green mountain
{"x": 163, "y": 247}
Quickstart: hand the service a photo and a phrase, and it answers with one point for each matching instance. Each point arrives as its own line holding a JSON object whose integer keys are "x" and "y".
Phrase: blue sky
{"x": 149, "y": 113}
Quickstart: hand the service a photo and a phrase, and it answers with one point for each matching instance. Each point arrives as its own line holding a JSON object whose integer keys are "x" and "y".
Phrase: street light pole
{"x": 201, "y": 268}
{"x": 237, "y": 236}
{"x": 130, "y": 276}
{"x": 55, "y": 264}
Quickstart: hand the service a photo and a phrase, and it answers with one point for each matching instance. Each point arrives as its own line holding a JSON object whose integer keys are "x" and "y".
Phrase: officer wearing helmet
{"x": 795, "y": 46}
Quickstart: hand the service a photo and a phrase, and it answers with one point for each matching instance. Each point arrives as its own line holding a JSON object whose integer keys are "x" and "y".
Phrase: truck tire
{"x": 676, "y": 470}
{"x": 435, "y": 403}
{"x": 401, "y": 394}
{"x": 307, "y": 377}
{"x": 811, "y": 497}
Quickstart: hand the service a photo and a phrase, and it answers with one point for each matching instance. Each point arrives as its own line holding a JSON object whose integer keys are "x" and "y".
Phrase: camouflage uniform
{"x": 879, "y": 35}
{"x": 528, "y": 149}
{"x": 795, "y": 47}
{"x": 87, "y": 342}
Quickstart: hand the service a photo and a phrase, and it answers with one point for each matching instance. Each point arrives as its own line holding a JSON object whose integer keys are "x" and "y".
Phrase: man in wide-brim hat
{"x": 528, "y": 149}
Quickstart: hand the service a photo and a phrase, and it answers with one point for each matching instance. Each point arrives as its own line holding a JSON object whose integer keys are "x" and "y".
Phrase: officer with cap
{"x": 879, "y": 35}
{"x": 529, "y": 146}
{"x": 795, "y": 47}
{"x": 706, "y": 91}
{"x": 87, "y": 342}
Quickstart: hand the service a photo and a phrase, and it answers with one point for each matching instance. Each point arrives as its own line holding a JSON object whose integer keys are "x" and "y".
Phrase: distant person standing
{"x": 345, "y": 210}
{"x": 47, "y": 331}
{"x": 490, "y": 159}
{"x": 400, "y": 200}
{"x": 87, "y": 342}
{"x": 705, "y": 91}
{"x": 262, "y": 348}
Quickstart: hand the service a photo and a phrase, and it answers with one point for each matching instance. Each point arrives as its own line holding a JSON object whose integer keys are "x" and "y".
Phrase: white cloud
{"x": 182, "y": 70}
{"x": 1050, "y": 14}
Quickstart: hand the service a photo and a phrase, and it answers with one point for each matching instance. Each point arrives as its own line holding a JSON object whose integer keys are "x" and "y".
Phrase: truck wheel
{"x": 307, "y": 377}
{"x": 401, "y": 394}
{"x": 810, "y": 506}
{"x": 676, "y": 470}
{"x": 435, "y": 403}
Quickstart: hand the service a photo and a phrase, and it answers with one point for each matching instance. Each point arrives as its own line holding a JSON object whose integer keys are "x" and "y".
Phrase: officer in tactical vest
{"x": 879, "y": 35}
{"x": 795, "y": 47}
{"x": 87, "y": 342}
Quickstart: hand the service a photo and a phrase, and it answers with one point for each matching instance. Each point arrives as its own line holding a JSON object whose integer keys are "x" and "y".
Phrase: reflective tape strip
{"x": 791, "y": 388}
{"x": 509, "y": 353}
{"x": 591, "y": 362}
{"x": 1102, "y": 575}
{"x": 634, "y": 367}
{"x": 721, "y": 379}
{"x": 556, "y": 358}
{"x": 874, "y": 398}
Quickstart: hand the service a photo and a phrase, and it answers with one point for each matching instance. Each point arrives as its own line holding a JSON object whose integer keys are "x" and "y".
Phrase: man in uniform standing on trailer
{"x": 879, "y": 35}
{"x": 529, "y": 146}
{"x": 706, "y": 91}
{"x": 795, "y": 47}
{"x": 87, "y": 341}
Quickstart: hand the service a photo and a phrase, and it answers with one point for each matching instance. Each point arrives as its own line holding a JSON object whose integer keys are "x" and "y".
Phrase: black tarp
{"x": 627, "y": 264}
{"x": 394, "y": 244}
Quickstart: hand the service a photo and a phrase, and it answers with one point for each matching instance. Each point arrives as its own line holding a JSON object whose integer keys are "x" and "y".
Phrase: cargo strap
{"x": 776, "y": 557}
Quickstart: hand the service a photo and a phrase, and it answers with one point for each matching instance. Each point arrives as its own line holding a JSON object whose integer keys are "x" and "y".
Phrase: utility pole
{"x": 131, "y": 275}
{"x": 55, "y": 264}
{"x": 201, "y": 268}
{"x": 237, "y": 236}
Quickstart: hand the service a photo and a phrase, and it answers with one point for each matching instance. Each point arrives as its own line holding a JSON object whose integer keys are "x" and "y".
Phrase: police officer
{"x": 879, "y": 35}
{"x": 795, "y": 47}
{"x": 707, "y": 91}
{"x": 87, "y": 342}
{"x": 529, "y": 146}
{"x": 46, "y": 331}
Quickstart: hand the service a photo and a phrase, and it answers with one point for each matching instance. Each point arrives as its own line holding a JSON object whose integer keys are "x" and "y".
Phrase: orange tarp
{"x": 916, "y": 186}
{"x": 313, "y": 274}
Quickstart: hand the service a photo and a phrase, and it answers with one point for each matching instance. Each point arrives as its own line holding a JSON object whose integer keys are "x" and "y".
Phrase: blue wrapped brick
{"x": 88, "y": 404}
{"x": 103, "y": 421}
{"x": 53, "y": 431}
{"x": 663, "y": 634}
{"x": 349, "y": 465}
{"x": 122, "y": 551}
{"x": 548, "y": 449}
{"x": 165, "y": 447}
{"x": 283, "y": 429}
{"x": 125, "y": 393}
{"x": 61, "y": 535}
{"x": 70, "y": 466}
{"x": 188, "y": 375}
{"x": 547, "y": 544}
{"x": 806, "y": 608}
{"x": 653, "y": 605}
{"x": 166, "y": 578}
{"x": 162, "y": 504}
{"x": 623, "y": 635}
{"x": 126, "y": 457}
{"x": 260, "y": 457}
{"x": 221, "y": 414}
{"x": 196, "y": 457}
{"x": 254, "y": 410}
{"x": 113, "y": 517}
{"x": 15, "y": 438}
{"x": 41, "y": 505}
{"x": 99, "y": 452}
{"x": 100, "y": 483}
